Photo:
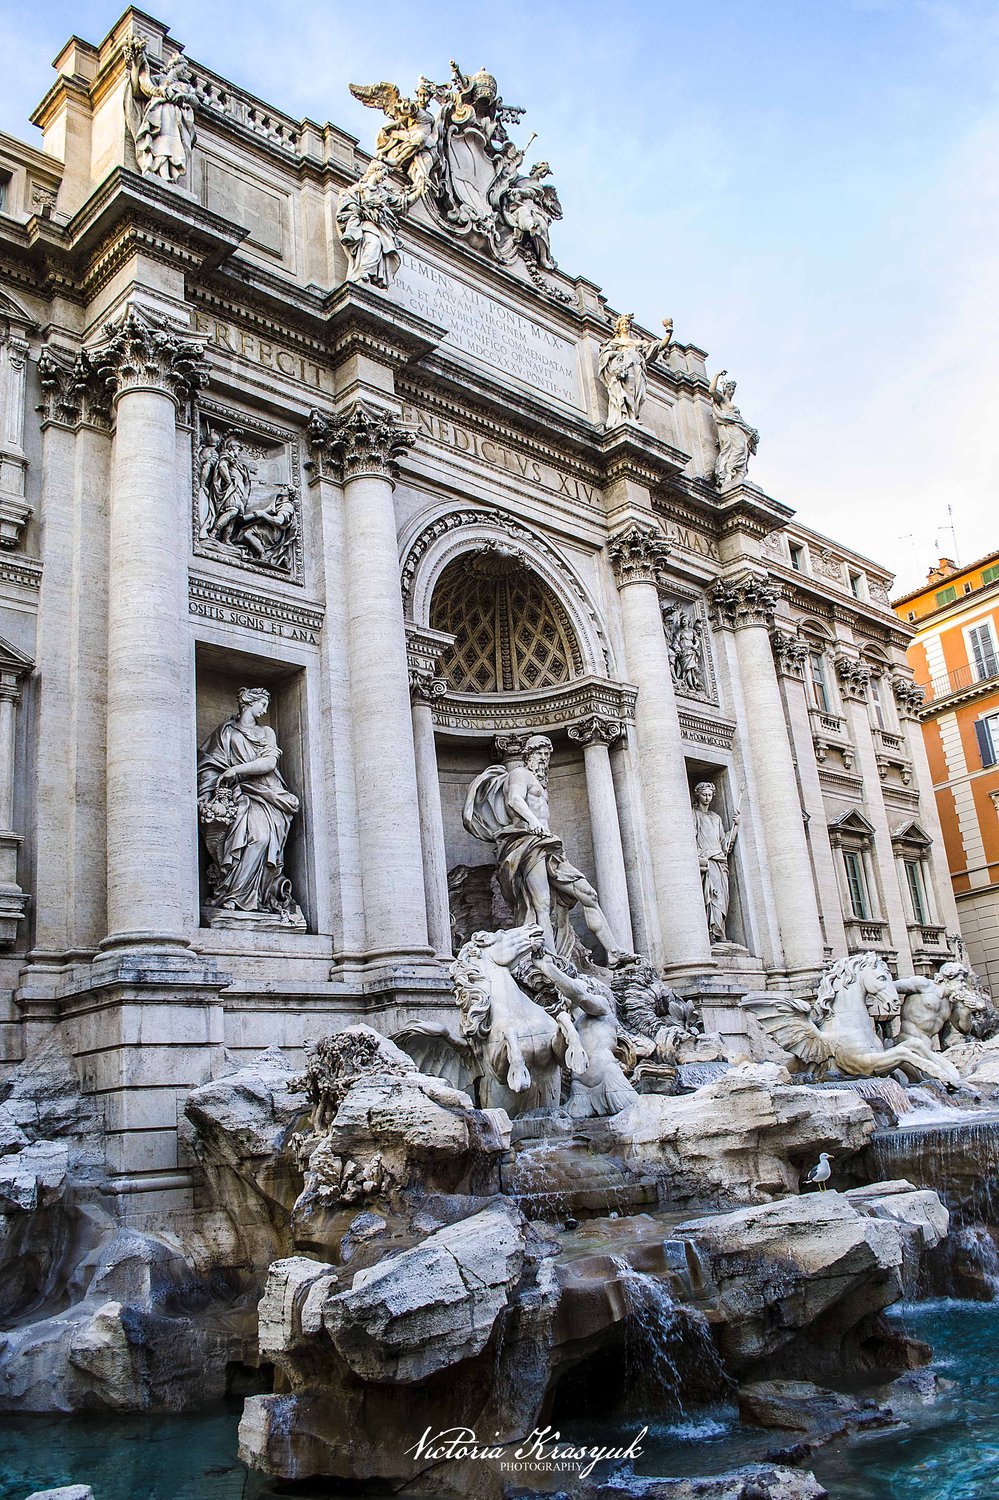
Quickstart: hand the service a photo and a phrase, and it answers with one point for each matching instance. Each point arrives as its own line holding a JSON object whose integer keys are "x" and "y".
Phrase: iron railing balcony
{"x": 958, "y": 681}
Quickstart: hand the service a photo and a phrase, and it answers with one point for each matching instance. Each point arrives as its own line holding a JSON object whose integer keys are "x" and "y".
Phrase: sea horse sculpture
{"x": 839, "y": 1031}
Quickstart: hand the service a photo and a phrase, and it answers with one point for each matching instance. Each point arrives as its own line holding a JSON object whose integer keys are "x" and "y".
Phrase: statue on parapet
{"x": 408, "y": 140}
{"x": 367, "y": 221}
{"x": 623, "y": 367}
{"x": 507, "y": 806}
{"x": 159, "y": 108}
{"x": 526, "y": 206}
{"x": 737, "y": 441}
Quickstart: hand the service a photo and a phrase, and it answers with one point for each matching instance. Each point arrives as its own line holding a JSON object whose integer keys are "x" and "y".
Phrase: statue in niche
{"x": 684, "y": 630}
{"x": 407, "y": 142}
{"x": 623, "y": 367}
{"x": 737, "y": 441}
{"x": 367, "y": 221}
{"x": 257, "y": 520}
{"x": 714, "y": 845}
{"x": 507, "y": 806}
{"x": 526, "y": 206}
{"x": 159, "y": 107}
{"x": 245, "y": 809}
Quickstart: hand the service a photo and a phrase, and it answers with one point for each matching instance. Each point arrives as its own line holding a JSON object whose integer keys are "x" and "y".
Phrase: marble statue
{"x": 527, "y": 206}
{"x": 714, "y": 845}
{"x": 507, "y": 806}
{"x": 603, "y": 1087}
{"x": 519, "y": 1049}
{"x": 656, "y": 1019}
{"x": 245, "y": 809}
{"x": 684, "y": 629}
{"x": 159, "y": 107}
{"x": 473, "y": 137}
{"x": 407, "y": 142}
{"x": 737, "y": 441}
{"x": 944, "y": 1008}
{"x": 258, "y": 521}
{"x": 623, "y": 366}
{"x": 367, "y": 221}
{"x": 839, "y": 1031}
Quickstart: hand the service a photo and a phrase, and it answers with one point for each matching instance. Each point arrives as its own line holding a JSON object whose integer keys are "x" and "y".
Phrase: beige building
{"x": 402, "y": 511}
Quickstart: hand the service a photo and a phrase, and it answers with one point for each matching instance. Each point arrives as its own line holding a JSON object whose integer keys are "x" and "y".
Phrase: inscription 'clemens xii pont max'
{"x": 489, "y": 331}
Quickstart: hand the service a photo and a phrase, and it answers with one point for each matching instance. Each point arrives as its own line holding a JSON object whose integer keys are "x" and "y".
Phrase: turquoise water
{"x": 950, "y": 1453}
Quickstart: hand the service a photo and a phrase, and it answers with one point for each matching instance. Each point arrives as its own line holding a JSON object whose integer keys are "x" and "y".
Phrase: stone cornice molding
{"x": 359, "y": 441}
{"x": 536, "y": 712}
{"x": 790, "y": 652}
{"x": 750, "y": 599}
{"x": 747, "y": 508}
{"x": 596, "y": 731}
{"x": 631, "y": 452}
{"x": 15, "y": 665}
{"x": 854, "y": 678}
{"x": 638, "y": 555}
{"x": 142, "y": 351}
{"x": 359, "y": 321}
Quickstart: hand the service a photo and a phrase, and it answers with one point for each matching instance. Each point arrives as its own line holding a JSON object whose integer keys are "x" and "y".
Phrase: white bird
{"x": 821, "y": 1172}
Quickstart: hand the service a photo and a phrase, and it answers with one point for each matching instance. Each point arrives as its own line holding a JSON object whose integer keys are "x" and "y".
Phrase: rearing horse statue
{"x": 839, "y": 1030}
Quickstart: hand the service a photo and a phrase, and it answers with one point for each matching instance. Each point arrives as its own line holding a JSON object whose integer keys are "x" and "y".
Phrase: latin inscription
{"x": 210, "y": 601}
{"x": 499, "y": 456}
{"x": 689, "y": 540}
{"x": 263, "y": 352}
{"x": 489, "y": 331}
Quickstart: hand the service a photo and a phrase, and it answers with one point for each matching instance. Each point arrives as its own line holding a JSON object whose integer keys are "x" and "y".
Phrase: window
{"x": 917, "y": 891}
{"x": 987, "y": 734}
{"x": 990, "y": 574}
{"x": 797, "y": 557}
{"x": 4, "y": 191}
{"x": 967, "y": 588}
{"x": 911, "y": 614}
{"x": 856, "y": 883}
{"x": 982, "y": 650}
{"x": 878, "y": 700}
{"x": 819, "y": 681}
{"x": 946, "y": 596}
{"x": 857, "y": 585}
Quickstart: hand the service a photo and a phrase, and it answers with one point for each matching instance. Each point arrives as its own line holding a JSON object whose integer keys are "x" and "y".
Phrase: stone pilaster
{"x": 427, "y": 686}
{"x": 359, "y": 446}
{"x": 14, "y": 667}
{"x": 146, "y": 370}
{"x": 596, "y": 735}
{"x": 14, "y": 509}
{"x": 745, "y": 604}
{"x": 638, "y": 554}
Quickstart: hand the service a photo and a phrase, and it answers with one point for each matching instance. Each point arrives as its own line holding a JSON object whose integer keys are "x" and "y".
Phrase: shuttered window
{"x": 982, "y": 646}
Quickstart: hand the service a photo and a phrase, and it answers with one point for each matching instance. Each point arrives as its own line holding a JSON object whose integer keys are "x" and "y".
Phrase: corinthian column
{"x": 637, "y": 554}
{"x": 147, "y": 369}
{"x": 746, "y": 606}
{"x": 362, "y": 444}
{"x": 596, "y": 735}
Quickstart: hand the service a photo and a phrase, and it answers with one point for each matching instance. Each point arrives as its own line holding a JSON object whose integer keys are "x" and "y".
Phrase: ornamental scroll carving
{"x": 361, "y": 440}
{"x": 140, "y": 350}
{"x": 854, "y": 678}
{"x": 790, "y": 652}
{"x": 638, "y": 555}
{"x": 741, "y": 602}
{"x": 909, "y": 697}
{"x": 596, "y": 731}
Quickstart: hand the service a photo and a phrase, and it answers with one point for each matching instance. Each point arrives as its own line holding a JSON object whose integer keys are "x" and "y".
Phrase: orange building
{"x": 955, "y": 660}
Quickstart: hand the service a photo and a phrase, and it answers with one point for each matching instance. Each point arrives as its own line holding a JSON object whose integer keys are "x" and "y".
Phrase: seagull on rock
{"x": 821, "y": 1172}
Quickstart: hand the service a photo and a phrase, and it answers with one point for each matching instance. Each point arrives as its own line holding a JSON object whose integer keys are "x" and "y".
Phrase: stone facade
{"x": 232, "y": 459}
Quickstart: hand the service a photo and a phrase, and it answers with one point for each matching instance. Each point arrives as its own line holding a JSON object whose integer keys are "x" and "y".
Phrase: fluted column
{"x": 596, "y": 735}
{"x": 363, "y": 443}
{"x": 637, "y": 554}
{"x": 746, "y": 605}
{"x": 148, "y": 370}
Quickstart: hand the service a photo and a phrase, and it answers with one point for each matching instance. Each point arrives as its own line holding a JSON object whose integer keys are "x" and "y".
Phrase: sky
{"x": 809, "y": 188}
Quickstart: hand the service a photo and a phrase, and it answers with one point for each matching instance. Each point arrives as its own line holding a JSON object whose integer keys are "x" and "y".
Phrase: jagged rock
{"x": 740, "y": 1138}
{"x": 416, "y": 1313}
{"x": 800, "y": 1406}
{"x": 752, "y": 1482}
{"x": 920, "y": 1208}
{"x": 65, "y": 1492}
{"x": 33, "y": 1178}
{"x": 797, "y": 1285}
{"x": 283, "y": 1326}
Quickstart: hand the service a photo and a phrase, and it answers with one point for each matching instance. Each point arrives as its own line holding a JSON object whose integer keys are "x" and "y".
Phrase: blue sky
{"x": 809, "y": 188}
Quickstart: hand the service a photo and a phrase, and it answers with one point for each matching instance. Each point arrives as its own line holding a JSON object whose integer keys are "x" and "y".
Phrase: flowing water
{"x": 948, "y": 1450}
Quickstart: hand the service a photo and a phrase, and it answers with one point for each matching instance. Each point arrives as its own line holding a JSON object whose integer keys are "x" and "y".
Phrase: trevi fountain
{"x": 482, "y": 1005}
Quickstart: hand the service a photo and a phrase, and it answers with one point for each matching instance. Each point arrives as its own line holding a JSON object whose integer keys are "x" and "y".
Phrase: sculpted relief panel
{"x": 247, "y": 506}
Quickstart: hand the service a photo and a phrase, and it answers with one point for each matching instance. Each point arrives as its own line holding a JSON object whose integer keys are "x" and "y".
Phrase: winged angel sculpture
{"x": 461, "y": 161}
{"x": 839, "y": 1031}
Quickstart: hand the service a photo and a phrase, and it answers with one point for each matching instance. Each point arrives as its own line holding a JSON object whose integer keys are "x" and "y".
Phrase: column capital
{"x": 854, "y": 677}
{"x": 141, "y": 351}
{"x": 749, "y": 599}
{"x": 638, "y": 554}
{"x": 790, "y": 652}
{"x": 596, "y": 730}
{"x": 359, "y": 440}
{"x": 425, "y": 687}
{"x": 908, "y": 696}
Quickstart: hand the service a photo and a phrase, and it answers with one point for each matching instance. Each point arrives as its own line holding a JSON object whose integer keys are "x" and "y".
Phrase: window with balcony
{"x": 856, "y": 884}
{"x": 982, "y": 651}
{"x": 879, "y": 701}
{"x": 916, "y": 882}
{"x": 852, "y": 838}
{"x": 818, "y": 677}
